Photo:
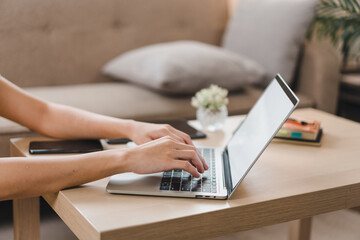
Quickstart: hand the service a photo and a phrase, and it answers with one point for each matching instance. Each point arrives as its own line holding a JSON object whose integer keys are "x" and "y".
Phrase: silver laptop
{"x": 227, "y": 167}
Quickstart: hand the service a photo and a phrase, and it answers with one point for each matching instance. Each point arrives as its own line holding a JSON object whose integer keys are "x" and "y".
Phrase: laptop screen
{"x": 259, "y": 127}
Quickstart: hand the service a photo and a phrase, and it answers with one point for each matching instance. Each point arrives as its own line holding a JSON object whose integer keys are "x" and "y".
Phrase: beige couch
{"x": 55, "y": 50}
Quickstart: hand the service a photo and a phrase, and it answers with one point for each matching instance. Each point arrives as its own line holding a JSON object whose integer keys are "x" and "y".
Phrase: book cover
{"x": 297, "y": 128}
{"x": 315, "y": 142}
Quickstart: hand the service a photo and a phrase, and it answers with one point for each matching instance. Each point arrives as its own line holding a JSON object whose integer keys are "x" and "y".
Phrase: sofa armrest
{"x": 319, "y": 75}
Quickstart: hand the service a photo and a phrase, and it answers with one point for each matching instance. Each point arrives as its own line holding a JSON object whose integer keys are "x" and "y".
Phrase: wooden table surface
{"x": 288, "y": 182}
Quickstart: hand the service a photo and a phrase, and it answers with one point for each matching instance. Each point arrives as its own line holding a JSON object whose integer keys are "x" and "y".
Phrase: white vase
{"x": 212, "y": 120}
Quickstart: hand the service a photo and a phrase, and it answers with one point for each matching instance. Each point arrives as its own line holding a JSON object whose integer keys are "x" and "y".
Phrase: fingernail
{"x": 206, "y": 166}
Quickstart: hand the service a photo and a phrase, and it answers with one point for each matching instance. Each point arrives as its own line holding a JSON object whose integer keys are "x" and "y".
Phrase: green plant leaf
{"x": 340, "y": 21}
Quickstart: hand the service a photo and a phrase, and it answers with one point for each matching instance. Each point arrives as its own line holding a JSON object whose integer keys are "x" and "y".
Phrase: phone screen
{"x": 65, "y": 146}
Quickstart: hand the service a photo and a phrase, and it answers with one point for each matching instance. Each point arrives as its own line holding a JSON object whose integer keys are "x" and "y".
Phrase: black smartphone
{"x": 65, "y": 146}
{"x": 180, "y": 124}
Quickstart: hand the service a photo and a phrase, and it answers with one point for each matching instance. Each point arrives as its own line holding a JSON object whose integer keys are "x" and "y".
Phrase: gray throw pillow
{"x": 270, "y": 32}
{"x": 184, "y": 67}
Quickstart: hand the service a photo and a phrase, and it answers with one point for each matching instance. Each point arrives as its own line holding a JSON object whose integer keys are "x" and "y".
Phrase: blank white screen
{"x": 257, "y": 130}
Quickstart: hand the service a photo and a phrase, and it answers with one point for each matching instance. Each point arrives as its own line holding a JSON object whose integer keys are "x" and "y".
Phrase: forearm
{"x": 69, "y": 123}
{"x": 27, "y": 177}
{"x": 57, "y": 120}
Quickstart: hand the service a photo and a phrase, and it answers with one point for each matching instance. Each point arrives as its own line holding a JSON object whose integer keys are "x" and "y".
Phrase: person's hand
{"x": 141, "y": 132}
{"x": 164, "y": 154}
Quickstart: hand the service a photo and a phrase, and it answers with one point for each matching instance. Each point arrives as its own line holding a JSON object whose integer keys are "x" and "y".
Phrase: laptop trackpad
{"x": 134, "y": 183}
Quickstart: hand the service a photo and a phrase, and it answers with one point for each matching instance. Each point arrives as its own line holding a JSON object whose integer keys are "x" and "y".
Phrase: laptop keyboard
{"x": 179, "y": 180}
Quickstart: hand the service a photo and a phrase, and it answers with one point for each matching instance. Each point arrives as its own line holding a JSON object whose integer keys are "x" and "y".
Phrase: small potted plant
{"x": 211, "y": 107}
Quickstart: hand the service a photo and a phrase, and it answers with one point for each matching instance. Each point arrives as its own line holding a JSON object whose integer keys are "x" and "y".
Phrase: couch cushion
{"x": 128, "y": 101}
{"x": 270, "y": 32}
{"x": 184, "y": 67}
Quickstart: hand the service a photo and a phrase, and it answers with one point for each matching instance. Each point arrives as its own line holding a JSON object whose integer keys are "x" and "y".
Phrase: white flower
{"x": 211, "y": 98}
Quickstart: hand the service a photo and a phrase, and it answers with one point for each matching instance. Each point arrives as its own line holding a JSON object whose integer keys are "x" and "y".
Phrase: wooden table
{"x": 288, "y": 182}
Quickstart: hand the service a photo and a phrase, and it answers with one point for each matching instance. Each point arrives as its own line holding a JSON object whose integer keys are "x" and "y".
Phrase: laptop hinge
{"x": 227, "y": 172}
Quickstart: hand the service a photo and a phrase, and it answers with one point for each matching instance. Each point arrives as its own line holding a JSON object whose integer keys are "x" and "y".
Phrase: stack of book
{"x": 300, "y": 131}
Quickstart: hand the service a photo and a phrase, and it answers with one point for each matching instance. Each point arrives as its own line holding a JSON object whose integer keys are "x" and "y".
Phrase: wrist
{"x": 120, "y": 128}
{"x": 130, "y": 128}
{"x": 118, "y": 160}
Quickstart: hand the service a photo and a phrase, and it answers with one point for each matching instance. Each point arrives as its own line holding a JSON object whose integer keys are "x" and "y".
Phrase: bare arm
{"x": 57, "y": 120}
{"x": 66, "y": 122}
{"x": 26, "y": 177}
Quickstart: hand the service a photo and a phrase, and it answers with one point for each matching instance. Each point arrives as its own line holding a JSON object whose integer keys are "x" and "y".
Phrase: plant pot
{"x": 212, "y": 120}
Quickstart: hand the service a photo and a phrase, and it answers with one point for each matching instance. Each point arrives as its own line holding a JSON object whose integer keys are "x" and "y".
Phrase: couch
{"x": 56, "y": 49}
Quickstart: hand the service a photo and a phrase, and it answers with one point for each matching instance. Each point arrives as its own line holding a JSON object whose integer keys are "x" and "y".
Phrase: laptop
{"x": 227, "y": 167}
